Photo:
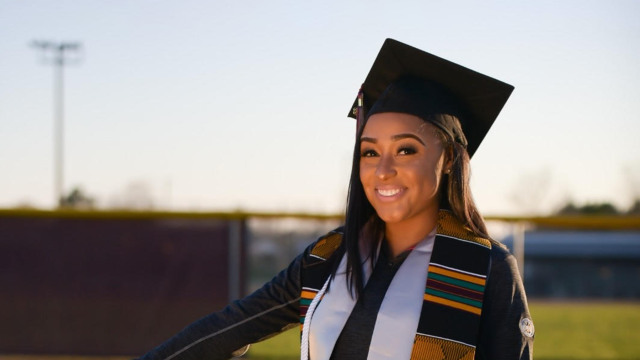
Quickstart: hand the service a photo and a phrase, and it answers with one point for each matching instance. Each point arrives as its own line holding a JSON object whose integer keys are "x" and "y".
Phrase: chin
{"x": 391, "y": 216}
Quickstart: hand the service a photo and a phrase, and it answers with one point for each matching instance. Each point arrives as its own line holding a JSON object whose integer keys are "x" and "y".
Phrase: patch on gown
{"x": 527, "y": 328}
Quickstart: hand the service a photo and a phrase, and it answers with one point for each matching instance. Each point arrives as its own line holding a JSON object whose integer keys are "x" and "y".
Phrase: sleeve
{"x": 266, "y": 312}
{"x": 506, "y": 328}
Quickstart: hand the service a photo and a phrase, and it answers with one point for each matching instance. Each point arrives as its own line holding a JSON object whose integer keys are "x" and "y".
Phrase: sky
{"x": 226, "y": 105}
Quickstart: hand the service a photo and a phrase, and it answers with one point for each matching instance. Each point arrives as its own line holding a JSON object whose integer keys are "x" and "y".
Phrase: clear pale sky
{"x": 242, "y": 104}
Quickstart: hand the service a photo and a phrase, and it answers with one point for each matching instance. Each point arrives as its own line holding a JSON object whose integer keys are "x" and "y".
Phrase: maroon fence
{"x": 112, "y": 285}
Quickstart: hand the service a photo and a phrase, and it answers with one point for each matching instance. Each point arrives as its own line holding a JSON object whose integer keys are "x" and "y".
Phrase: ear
{"x": 448, "y": 158}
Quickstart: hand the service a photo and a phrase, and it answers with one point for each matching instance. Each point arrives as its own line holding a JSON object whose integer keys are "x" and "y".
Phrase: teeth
{"x": 390, "y": 192}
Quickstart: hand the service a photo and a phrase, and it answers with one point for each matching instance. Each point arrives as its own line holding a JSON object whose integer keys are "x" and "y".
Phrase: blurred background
{"x": 166, "y": 157}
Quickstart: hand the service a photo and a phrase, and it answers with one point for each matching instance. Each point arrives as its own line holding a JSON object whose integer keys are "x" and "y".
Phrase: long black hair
{"x": 455, "y": 195}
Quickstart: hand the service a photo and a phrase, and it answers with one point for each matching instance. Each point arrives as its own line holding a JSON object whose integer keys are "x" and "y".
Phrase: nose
{"x": 386, "y": 168}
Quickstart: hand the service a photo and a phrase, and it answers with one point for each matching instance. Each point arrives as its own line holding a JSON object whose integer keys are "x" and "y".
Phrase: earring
{"x": 447, "y": 171}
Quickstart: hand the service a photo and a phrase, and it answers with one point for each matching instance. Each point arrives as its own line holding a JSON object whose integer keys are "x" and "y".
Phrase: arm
{"x": 268, "y": 311}
{"x": 505, "y": 307}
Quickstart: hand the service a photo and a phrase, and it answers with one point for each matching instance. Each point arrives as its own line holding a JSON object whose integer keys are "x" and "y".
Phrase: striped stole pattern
{"x": 452, "y": 287}
{"x": 450, "y": 317}
{"x": 432, "y": 348}
{"x": 306, "y": 297}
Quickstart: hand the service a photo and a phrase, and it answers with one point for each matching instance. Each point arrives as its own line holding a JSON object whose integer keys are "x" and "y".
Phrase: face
{"x": 401, "y": 166}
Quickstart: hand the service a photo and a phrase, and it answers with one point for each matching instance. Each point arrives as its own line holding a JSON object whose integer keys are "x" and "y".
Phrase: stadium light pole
{"x": 58, "y": 60}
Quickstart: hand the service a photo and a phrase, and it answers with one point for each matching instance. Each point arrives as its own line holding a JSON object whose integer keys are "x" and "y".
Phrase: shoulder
{"x": 499, "y": 251}
{"x": 503, "y": 264}
{"x": 318, "y": 259}
{"x": 451, "y": 226}
{"x": 326, "y": 245}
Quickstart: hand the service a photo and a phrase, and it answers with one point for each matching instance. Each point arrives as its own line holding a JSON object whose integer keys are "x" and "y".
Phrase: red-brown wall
{"x": 107, "y": 286}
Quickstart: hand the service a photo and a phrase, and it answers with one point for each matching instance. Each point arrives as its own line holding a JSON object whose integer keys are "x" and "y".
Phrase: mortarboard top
{"x": 406, "y": 79}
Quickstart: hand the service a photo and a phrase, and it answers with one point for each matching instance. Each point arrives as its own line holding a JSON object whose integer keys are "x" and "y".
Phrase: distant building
{"x": 581, "y": 264}
{"x": 558, "y": 264}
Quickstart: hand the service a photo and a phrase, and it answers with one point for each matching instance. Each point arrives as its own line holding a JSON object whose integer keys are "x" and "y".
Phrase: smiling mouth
{"x": 388, "y": 192}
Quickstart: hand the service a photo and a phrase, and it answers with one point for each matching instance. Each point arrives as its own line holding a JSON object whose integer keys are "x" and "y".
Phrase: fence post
{"x": 235, "y": 258}
{"x": 518, "y": 245}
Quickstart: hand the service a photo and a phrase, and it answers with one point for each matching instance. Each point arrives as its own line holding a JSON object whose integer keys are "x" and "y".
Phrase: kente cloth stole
{"x": 452, "y": 303}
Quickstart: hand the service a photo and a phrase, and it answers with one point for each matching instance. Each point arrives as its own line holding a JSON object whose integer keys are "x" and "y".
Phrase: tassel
{"x": 360, "y": 111}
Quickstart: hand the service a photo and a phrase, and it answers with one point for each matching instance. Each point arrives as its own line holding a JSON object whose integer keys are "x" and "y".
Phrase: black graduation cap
{"x": 409, "y": 80}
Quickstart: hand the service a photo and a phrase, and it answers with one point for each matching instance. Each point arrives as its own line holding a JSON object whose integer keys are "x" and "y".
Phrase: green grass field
{"x": 564, "y": 330}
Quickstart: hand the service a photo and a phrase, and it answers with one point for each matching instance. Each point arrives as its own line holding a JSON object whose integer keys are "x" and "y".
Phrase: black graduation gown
{"x": 274, "y": 308}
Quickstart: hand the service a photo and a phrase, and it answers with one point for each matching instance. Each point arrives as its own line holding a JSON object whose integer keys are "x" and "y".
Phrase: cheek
{"x": 366, "y": 172}
{"x": 367, "y": 179}
{"x": 426, "y": 176}
{"x": 427, "y": 180}
{"x": 367, "y": 169}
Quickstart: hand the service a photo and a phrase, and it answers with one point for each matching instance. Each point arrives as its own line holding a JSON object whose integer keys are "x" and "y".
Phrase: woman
{"x": 413, "y": 273}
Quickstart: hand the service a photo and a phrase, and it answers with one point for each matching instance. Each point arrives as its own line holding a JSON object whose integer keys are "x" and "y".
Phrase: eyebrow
{"x": 395, "y": 138}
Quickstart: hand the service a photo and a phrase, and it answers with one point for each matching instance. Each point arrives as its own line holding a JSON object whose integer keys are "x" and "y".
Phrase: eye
{"x": 368, "y": 153}
{"x": 407, "y": 150}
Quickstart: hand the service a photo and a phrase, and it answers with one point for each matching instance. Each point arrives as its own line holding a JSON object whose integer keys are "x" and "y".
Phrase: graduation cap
{"x": 408, "y": 80}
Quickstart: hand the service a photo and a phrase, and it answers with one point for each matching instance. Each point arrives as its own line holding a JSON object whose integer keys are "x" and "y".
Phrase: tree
{"x": 604, "y": 208}
{"x": 77, "y": 199}
{"x": 635, "y": 208}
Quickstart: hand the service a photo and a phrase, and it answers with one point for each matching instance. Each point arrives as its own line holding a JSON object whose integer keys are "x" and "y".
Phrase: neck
{"x": 404, "y": 235}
